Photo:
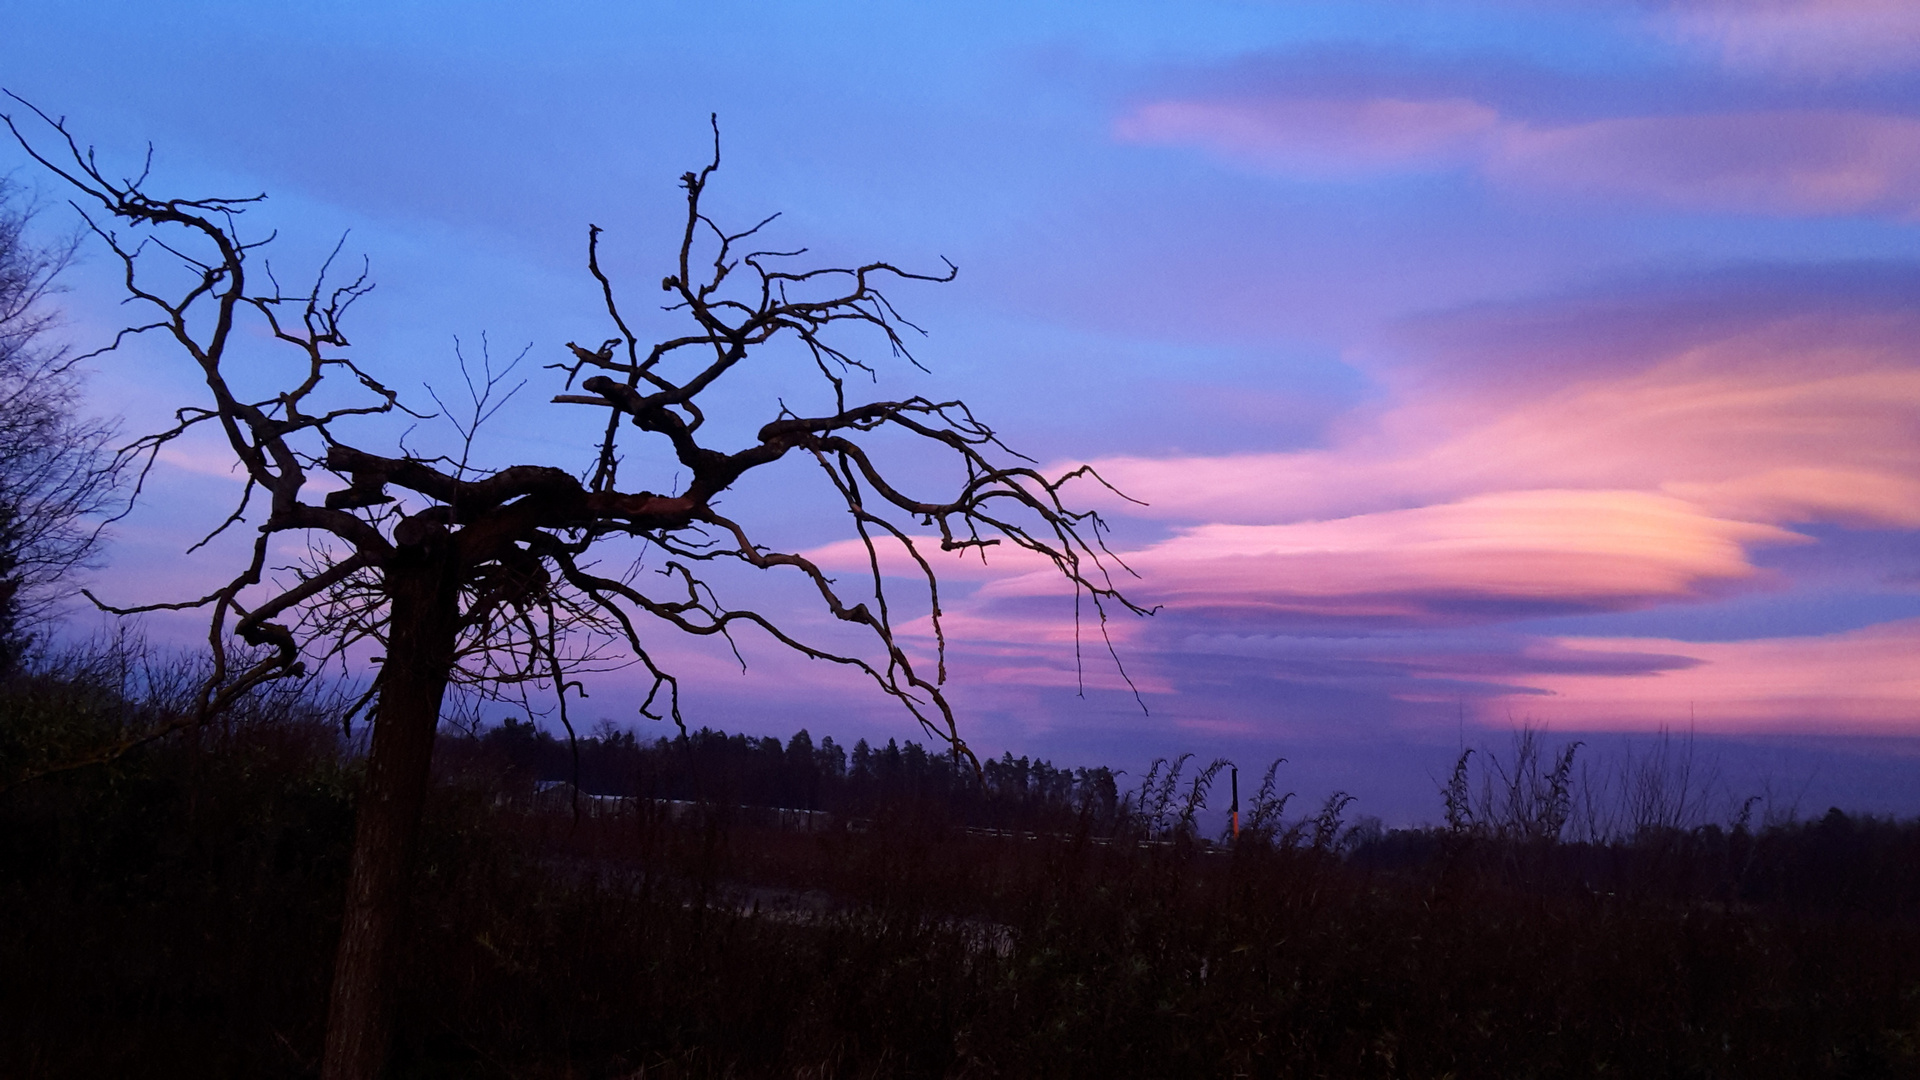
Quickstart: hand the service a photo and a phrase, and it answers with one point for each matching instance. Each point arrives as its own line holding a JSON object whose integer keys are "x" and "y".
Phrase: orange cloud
{"x": 1520, "y": 551}
{"x": 1476, "y": 495}
{"x": 1798, "y": 418}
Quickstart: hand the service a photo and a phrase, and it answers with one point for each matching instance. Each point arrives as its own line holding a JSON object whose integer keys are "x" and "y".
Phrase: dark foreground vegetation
{"x": 172, "y": 912}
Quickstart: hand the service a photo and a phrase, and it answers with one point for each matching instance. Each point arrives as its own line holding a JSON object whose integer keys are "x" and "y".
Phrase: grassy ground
{"x": 172, "y": 915}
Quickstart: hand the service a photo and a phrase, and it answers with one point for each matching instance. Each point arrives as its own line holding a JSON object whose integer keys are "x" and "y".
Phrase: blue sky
{"x": 1482, "y": 362}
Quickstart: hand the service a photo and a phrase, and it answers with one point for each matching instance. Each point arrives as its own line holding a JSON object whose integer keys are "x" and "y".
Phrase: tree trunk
{"x": 420, "y": 646}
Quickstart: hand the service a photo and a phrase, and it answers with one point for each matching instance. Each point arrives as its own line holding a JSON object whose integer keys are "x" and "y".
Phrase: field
{"x": 172, "y": 913}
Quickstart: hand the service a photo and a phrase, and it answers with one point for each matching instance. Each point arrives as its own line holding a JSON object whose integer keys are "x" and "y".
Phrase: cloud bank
{"x": 1608, "y": 452}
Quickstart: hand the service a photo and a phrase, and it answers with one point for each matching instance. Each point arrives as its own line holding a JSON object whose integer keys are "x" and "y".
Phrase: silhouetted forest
{"x": 171, "y": 911}
{"x": 712, "y": 766}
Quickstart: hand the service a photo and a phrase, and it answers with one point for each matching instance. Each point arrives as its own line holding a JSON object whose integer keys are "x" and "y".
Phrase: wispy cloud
{"x": 1781, "y": 161}
{"x": 1822, "y": 37}
{"x": 1327, "y": 137}
{"x": 1802, "y": 161}
{"x": 1860, "y": 682}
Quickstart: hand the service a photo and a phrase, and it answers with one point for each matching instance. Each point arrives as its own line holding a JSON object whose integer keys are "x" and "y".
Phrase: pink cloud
{"x": 1811, "y": 36}
{"x": 204, "y": 456}
{"x": 1804, "y": 161}
{"x": 1775, "y": 416}
{"x": 1518, "y": 550}
{"x": 1474, "y": 496}
{"x": 850, "y": 556}
{"x": 1029, "y": 645}
{"x": 1591, "y": 454}
{"x": 1586, "y": 455}
{"x": 1860, "y": 682}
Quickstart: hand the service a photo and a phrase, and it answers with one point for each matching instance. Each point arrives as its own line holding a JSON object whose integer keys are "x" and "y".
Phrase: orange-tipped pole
{"x": 1234, "y": 772}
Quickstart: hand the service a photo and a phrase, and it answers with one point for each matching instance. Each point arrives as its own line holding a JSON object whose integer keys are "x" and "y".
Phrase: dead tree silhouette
{"x": 490, "y": 578}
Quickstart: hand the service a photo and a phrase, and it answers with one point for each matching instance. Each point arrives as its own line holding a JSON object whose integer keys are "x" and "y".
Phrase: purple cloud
{"x": 1778, "y": 161}
{"x": 1819, "y": 37}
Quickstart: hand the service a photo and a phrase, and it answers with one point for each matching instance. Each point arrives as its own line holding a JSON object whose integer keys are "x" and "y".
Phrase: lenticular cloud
{"x": 1485, "y": 558}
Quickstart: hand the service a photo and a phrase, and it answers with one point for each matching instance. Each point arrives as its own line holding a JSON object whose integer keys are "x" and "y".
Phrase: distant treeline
{"x": 800, "y": 774}
{"x": 1531, "y": 792}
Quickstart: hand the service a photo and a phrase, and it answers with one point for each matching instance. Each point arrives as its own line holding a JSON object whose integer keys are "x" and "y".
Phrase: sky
{"x": 1477, "y": 364}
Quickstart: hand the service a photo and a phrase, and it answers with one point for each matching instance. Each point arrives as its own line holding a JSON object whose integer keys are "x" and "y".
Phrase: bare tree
{"x": 56, "y": 474}
{"x": 488, "y": 577}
